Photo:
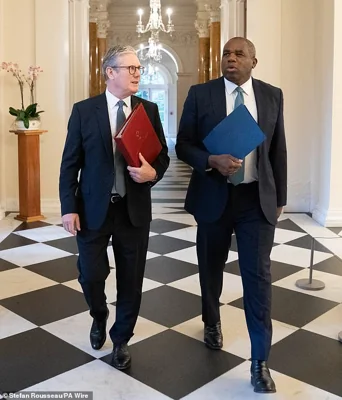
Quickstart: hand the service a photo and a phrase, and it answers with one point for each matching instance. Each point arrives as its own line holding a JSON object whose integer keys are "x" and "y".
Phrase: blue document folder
{"x": 238, "y": 134}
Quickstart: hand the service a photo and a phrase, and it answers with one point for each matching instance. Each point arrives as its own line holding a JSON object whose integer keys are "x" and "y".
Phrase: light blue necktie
{"x": 119, "y": 161}
{"x": 239, "y": 175}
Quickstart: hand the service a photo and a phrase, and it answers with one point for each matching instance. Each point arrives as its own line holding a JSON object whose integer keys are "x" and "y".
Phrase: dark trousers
{"x": 130, "y": 248}
{"x": 254, "y": 235}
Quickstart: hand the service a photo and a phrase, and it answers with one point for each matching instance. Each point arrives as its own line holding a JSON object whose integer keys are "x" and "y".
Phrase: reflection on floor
{"x": 44, "y": 323}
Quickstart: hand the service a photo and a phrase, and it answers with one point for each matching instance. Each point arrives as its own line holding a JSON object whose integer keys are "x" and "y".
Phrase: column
{"x": 93, "y": 58}
{"x": 52, "y": 52}
{"x": 233, "y": 20}
{"x": 102, "y": 31}
{"x": 102, "y": 49}
{"x": 215, "y": 35}
{"x": 79, "y": 49}
{"x": 328, "y": 160}
{"x": 201, "y": 25}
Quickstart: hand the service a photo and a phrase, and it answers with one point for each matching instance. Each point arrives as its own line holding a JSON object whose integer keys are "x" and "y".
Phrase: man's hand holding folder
{"x": 226, "y": 164}
{"x": 232, "y": 140}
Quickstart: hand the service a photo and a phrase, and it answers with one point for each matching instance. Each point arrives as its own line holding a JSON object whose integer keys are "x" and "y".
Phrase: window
{"x": 155, "y": 89}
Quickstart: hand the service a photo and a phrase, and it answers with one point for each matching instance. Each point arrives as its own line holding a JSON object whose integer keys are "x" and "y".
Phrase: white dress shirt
{"x": 251, "y": 171}
{"x": 112, "y": 112}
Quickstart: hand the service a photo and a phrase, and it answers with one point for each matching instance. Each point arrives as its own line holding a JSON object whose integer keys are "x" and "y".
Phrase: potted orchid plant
{"x": 26, "y": 117}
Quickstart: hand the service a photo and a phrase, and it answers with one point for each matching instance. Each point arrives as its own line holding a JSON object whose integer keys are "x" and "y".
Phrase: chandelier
{"x": 155, "y": 23}
{"x": 153, "y": 49}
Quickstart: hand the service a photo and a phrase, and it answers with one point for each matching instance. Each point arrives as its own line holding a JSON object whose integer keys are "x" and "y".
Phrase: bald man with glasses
{"x": 103, "y": 198}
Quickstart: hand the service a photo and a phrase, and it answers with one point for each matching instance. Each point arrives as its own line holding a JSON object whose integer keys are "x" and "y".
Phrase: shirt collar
{"x": 112, "y": 100}
{"x": 247, "y": 87}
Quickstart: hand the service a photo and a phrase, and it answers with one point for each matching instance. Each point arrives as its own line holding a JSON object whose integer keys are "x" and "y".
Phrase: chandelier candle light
{"x": 155, "y": 25}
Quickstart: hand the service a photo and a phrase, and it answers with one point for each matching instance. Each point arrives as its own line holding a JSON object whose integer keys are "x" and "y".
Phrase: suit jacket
{"x": 89, "y": 150}
{"x": 204, "y": 108}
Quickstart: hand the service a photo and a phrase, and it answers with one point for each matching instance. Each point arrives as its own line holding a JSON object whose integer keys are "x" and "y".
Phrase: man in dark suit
{"x": 110, "y": 199}
{"x": 226, "y": 194}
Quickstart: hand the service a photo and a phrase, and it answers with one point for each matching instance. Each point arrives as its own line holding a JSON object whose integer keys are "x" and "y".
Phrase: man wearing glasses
{"x": 110, "y": 200}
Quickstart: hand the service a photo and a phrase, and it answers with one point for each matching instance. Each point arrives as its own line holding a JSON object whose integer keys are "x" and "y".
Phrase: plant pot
{"x": 34, "y": 124}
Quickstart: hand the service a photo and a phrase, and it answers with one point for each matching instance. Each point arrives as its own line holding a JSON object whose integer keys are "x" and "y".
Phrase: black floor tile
{"x": 332, "y": 265}
{"x": 60, "y": 270}
{"x": 294, "y": 308}
{"x": 166, "y": 270}
{"x": 6, "y": 266}
{"x": 13, "y": 240}
{"x": 336, "y": 230}
{"x": 165, "y": 244}
{"x": 233, "y": 268}
{"x": 289, "y": 225}
{"x": 35, "y": 356}
{"x": 47, "y": 305}
{"x": 278, "y": 270}
{"x": 31, "y": 225}
{"x": 163, "y": 226}
{"x": 311, "y": 358}
{"x": 177, "y": 365}
{"x": 305, "y": 242}
{"x": 67, "y": 244}
{"x": 169, "y": 307}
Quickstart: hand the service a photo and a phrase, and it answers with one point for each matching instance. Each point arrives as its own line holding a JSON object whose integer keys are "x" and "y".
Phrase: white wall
{"x": 328, "y": 182}
{"x": 41, "y": 37}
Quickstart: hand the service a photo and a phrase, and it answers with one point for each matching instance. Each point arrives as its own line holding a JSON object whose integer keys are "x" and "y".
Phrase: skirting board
{"x": 328, "y": 218}
{"x": 48, "y": 206}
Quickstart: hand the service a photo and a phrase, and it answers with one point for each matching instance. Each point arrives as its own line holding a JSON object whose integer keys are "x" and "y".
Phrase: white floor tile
{"x": 232, "y": 286}
{"x": 235, "y": 385}
{"x": 19, "y": 280}
{"x": 284, "y": 235}
{"x": 167, "y": 194}
{"x": 45, "y": 233}
{"x": 181, "y": 218}
{"x": 104, "y": 381}
{"x": 234, "y": 329}
{"x": 110, "y": 289}
{"x": 188, "y": 234}
{"x": 32, "y": 254}
{"x": 190, "y": 255}
{"x": 12, "y": 324}
{"x": 310, "y": 226}
{"x": 297, "y": 256}
{"x": 332, "y": 290}
{"x": 328, "y": 324}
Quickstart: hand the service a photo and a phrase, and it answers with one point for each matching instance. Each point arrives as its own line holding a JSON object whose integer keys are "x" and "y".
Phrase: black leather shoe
{"x": 98, "y": 333}
{"x": 121, "y": 359}
{"x": 213, "y": 336}
{"x": 261, "y": 377}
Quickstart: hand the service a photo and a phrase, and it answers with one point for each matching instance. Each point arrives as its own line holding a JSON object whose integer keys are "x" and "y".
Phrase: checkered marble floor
{"x": 44, "y": 322}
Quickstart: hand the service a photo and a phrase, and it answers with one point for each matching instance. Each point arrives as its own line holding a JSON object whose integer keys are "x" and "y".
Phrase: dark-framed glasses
{"x": 131, "y": 68}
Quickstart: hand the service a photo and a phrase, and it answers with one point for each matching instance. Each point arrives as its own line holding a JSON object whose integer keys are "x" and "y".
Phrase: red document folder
{"x": 137, "y": 135}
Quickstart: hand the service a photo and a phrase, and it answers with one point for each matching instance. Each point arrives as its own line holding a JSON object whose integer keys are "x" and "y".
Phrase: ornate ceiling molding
{"x": 179, "y": 38}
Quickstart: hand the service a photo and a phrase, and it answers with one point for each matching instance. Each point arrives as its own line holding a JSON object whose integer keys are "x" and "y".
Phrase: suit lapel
{"x": 218, "y": 98}
{"x": 103, "y": 120}
{"x": 134, "y": 101}
{"x": 261, "y": 104}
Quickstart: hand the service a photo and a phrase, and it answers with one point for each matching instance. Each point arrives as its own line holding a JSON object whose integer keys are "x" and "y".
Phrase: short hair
{"x": 112, "y": 56}
{"x": 250, "y": 45}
